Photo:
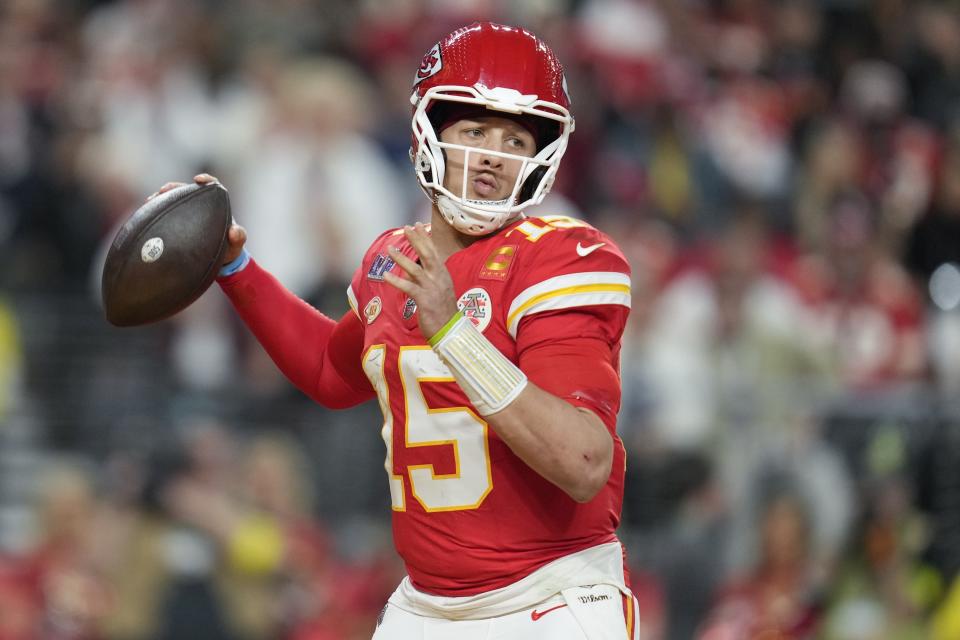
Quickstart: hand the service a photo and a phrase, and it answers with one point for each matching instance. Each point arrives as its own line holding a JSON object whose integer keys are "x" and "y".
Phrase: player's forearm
{"x": 568, "y": 446}
{"x": 294, "y": 334}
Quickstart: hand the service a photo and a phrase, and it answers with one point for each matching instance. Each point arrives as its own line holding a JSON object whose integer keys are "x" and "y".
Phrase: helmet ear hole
{"x": 423, "y": 162}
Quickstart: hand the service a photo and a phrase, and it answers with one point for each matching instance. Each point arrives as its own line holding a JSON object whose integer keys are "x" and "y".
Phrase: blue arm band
{"x": 237, "y": 264}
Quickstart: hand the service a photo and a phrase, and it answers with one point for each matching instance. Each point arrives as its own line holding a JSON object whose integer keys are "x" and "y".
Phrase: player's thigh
{"x": 556, "y": 623}
{"x": 551, "y": 619}
{"x": 397, "y": 624}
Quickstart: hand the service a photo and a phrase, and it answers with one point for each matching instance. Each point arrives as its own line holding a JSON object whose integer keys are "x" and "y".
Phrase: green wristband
{"x": 438, "y": 336}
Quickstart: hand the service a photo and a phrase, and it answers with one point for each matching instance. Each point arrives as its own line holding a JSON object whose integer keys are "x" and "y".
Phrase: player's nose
{"x": 489, "y": 160}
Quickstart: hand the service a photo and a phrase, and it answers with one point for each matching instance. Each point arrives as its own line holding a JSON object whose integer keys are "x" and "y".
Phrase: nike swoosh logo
{"x": 583, "y": 251}
{"x": 536, "y": 615}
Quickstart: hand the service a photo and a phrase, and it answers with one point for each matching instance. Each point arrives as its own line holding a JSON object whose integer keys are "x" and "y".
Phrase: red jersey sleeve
{"x": 582, "y": 369}
{"x": 568, "y": 313}
{"x": 318, "y": 354}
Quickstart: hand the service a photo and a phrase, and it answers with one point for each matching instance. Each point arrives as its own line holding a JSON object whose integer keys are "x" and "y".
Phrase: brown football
{"x": 166, "y": 254}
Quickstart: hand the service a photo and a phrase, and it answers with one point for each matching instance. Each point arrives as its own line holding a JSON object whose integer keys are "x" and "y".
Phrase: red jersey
{"x": 550, "y": 293}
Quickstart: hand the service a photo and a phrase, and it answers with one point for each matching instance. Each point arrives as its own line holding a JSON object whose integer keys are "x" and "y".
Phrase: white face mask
{"x": 481, "y": 217}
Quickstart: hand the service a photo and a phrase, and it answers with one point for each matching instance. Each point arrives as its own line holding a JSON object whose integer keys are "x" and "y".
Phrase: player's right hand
{"x": 236, "y": 236}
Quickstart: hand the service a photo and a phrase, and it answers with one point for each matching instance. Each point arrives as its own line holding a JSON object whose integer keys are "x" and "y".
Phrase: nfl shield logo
{"x": 409, "y": 308}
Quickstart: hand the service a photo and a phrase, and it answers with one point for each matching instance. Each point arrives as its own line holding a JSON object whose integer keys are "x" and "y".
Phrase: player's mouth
{"x": 486, "y": 186}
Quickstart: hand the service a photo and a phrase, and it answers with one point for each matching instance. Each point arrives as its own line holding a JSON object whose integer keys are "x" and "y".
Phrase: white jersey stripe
{"x": 352, "y": 299}
{"x": 571, "y": 290}
{"x": 570, "y": 300}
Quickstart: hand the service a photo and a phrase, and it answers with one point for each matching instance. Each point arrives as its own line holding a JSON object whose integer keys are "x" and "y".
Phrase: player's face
{"x": 489, "y": 177}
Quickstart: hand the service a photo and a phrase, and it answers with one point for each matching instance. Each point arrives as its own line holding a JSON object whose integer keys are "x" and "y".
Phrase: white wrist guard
{"x": 489, "y": 379}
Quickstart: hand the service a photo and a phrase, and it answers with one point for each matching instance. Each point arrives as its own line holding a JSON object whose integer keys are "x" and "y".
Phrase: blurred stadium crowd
{"x": 784, "y": 176}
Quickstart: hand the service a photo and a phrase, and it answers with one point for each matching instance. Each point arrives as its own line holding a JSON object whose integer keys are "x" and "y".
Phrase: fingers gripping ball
{"x": 166, "y": 254}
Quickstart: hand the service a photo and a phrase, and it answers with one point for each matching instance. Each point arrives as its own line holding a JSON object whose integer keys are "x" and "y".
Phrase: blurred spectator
{"x": 61, "y": 593}
{"x": 780, "y": 597}
{"x": 318, "y": 185}
{"x": 813, "y": 470}
{"x": 864, "y": 305}
{"x": 678, "y": 512}
{"x": 933, "y": 256}
{"x": 830, "y": 169}
{"x": 726, "y": 340}
{"x": 884, "y": 590}
{"x": 48, "y": 226}
{"x": 899, "y": 152}
{"x": 626, "y": 44}
{"x": 745, "y": 129}
{"x": 174, "y": 591}
{"x": 227, "y": 551}
{"x": 935, "y": 64}
{"x": 19, "y": 609}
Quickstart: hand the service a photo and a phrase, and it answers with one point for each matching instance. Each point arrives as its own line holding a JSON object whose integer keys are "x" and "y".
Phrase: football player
{"x": 491, "y": 341}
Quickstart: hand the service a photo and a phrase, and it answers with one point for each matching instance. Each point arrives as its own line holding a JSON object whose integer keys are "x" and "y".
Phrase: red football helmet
{"x": 500, "y": 68}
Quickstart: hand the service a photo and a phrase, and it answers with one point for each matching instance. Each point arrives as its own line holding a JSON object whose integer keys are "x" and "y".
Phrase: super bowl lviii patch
{"x": 381, "y": 264}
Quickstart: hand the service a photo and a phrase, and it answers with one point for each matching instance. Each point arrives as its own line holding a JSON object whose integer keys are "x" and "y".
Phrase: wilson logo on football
{"x": 430, "y": 65}
{"x": 151, "y": 250}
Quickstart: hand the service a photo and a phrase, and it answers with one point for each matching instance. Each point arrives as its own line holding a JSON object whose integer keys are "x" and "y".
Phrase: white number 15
{"x": 457, "y": 428}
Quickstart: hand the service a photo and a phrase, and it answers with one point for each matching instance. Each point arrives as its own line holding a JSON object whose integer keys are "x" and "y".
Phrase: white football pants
{"x": 599, "y": 612}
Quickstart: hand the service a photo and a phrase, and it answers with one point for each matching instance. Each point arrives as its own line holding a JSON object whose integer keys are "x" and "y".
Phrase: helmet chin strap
{"x": 469, "y": 222}
{"x": 495, "y": 203}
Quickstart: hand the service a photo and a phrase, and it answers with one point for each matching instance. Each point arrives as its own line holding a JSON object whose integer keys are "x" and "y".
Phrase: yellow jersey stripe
{"x": 568, "y": 291}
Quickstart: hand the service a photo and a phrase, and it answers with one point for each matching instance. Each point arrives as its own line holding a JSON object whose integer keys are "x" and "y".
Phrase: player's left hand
{"x": 428, "y": 283}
